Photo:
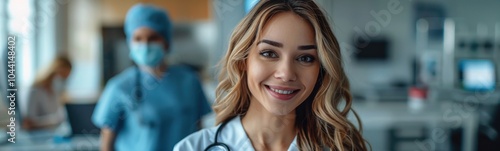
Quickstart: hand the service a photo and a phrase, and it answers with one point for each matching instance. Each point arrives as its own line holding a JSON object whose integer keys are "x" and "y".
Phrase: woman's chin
{"x": 279, "y": 111}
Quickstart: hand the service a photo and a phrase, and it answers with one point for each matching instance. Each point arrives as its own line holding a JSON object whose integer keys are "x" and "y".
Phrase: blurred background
{"x": 424, "y": 73}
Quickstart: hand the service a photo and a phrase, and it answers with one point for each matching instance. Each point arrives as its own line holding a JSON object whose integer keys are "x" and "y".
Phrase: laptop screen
{"x": 79, "y": 116}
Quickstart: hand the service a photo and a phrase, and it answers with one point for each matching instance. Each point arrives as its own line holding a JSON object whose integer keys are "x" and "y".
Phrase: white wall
{"x": 352, "y": 16}
{"x": 227, "y": 15}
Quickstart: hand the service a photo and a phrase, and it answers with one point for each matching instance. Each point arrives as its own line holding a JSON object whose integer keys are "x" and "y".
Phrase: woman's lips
{"x": 282, "y": 93}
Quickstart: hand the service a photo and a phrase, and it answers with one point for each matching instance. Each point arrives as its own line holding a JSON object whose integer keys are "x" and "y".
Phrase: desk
{"x": 44, "y": 141}
{"x": 444, "y": 115}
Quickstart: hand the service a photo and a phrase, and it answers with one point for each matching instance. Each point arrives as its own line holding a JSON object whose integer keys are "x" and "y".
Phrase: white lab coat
{"x": 233, "y": 135}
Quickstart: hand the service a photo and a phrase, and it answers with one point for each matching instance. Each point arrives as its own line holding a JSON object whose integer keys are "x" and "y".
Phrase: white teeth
{"x": 282, "y": 91}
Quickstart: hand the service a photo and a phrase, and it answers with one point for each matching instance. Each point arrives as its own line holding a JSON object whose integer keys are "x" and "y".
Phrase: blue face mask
{"x": 146, "y": 54}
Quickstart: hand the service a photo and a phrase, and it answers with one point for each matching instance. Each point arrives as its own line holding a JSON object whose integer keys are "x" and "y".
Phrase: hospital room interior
{"x": 424, "y": 74}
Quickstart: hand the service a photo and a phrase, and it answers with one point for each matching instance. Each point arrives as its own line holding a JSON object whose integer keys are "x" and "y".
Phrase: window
{"x": 20, "y": 24}
{"x": 3, "y": 35}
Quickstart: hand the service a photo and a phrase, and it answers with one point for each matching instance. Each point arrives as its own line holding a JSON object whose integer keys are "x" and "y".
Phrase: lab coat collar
{"x": 240, "y": 137}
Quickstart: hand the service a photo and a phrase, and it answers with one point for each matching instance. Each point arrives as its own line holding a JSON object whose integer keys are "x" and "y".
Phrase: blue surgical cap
{"x": 144, "y": 15}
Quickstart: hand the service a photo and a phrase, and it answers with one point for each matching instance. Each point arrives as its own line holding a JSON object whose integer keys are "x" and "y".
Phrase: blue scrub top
{"x": 170, "y": 109}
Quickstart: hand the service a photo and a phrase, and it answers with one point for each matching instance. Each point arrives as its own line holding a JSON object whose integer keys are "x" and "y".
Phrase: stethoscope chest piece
{"x": 217, "y": 147}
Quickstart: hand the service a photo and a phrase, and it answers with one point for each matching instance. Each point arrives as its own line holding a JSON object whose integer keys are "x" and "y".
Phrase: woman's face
{"x": 282, "y": 66}
{"x": 147, "y": 35}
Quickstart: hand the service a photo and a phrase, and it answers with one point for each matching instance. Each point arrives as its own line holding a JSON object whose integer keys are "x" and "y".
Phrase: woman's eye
{"x": 268, "y": 54}
{"x": 306, "y": 59}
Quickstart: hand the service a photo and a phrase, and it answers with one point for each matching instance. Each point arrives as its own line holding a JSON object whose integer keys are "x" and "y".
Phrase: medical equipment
{"x": 138, "y": 95}
{"x": 217, "y": 146}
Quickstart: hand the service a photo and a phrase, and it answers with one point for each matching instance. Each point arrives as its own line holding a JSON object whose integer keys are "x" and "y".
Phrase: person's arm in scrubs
{"x": 107, "y": 116}
{"x": 195, "y": 88}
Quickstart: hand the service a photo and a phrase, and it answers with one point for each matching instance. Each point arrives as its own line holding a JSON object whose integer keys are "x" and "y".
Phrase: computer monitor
{"x": 477, "y": 74}
{"x": 376, "y": 49}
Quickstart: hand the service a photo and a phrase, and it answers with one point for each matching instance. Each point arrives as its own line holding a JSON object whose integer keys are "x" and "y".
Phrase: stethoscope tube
{"x": 138, "y": 98}
{"x": 216, "y": 146}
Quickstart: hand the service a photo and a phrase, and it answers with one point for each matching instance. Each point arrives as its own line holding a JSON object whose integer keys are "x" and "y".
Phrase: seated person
{"x": 45, "y": 108}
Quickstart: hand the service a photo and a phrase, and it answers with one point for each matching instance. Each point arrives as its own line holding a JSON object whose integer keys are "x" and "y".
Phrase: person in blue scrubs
{"x": 152, "y": 106}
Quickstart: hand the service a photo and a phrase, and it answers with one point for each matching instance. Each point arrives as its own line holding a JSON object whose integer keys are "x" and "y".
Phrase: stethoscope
{"x": 216, "y": 146}
{"x": 138, "y": 97}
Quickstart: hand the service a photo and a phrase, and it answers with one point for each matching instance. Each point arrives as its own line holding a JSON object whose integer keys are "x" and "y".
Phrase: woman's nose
{"x": 285, "y": 71}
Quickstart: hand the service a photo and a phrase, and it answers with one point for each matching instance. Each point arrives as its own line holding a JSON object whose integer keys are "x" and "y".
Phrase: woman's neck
{"x": 268, "y": 131}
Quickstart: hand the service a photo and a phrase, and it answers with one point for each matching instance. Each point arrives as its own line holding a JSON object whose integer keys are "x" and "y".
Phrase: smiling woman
{"x": 281, "y": 86}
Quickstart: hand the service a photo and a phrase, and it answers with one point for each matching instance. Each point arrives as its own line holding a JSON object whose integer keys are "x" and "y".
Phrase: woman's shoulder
{"x": 36, "y": 89}
{"x": 37, "y": 92}
{"x": 233, "y": 132}
{"x": 198, "y": 140}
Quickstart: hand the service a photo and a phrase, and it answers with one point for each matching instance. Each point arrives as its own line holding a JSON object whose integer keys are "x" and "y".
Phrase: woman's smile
{"x": 282, "y": 93}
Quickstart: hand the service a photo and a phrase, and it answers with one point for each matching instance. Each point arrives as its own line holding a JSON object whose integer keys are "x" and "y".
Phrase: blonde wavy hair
{"x": 321, "y": 119}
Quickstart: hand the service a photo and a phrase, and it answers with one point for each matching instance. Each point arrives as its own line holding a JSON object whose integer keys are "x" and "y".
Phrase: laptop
{"x": 79, "y": 117}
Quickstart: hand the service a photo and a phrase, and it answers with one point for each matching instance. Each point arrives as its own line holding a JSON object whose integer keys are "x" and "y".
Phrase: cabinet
{"x": 114, "y": 11}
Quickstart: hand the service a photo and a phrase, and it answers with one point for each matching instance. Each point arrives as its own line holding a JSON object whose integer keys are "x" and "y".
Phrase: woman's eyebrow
{"x": 280, "y": 45}
{"x": 307, "y": 47}
{"x": 270, "y": 42}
